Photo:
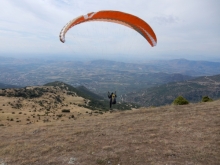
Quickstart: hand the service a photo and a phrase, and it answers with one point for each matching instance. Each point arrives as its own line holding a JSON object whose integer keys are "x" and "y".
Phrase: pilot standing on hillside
{"x": 112, "y": 98}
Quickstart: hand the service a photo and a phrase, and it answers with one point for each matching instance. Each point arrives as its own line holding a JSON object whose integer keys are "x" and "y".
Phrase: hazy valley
{"x": 193, "y": 90}
{"x": 148, "y": 83}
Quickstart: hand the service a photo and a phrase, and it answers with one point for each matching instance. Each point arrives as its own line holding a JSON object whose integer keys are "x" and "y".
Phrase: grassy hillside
{"x": 56, "y": 93}
{"x": 80, "y": 91}
{"x": 87, "y": 92}
{"x": 193, "y": 90}
{"x": 171, "y": 135}
{"x": 96, "y": 102}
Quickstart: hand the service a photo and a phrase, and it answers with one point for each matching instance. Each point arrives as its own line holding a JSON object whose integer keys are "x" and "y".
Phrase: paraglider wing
{"x": 119, "y": 17}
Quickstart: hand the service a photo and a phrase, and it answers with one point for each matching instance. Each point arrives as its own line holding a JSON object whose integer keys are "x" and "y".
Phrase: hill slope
{"x": 164, "y": 135}
{"x": 80, "y": 91}
{"x": 96, "y": 101}
{"x": 193, "y": 90}
{"x": 52, "y": 99}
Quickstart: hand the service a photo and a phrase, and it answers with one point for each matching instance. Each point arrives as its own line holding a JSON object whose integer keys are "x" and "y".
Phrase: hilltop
{"x": 51, "y": 102}
{"x": 180, "y": 135}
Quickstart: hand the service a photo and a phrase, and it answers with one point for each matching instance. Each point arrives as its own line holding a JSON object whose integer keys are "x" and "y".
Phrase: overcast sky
{"x": 187, "y": 29}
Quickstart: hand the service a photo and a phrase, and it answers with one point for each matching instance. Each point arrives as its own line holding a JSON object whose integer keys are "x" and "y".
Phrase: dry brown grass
{"x": 168, "y": 135}
{"x": 41, "y": 109}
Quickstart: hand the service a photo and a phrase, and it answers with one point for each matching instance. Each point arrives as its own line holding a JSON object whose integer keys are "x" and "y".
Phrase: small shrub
{"x": 60, "y": 115}
{"x": 72, "y": 116}
{"x": 1, "y": 125}
{"x": 66, "y": 110}
{"x": 180, "y": 101}
{"x": 100, "y": 161}
{"x": 206, "y": 99}
{"x": 13, "y": 112}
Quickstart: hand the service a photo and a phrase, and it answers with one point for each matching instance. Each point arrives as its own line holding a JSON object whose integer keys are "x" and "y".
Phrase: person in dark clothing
{"x": 112, "y": 98}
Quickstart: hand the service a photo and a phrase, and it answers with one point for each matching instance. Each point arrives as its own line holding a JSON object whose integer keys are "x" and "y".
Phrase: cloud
{"x": 163, "y": 20}
{"x": 184, "y": 29}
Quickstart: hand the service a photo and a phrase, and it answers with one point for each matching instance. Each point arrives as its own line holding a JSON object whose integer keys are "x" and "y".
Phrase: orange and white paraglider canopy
{"x": 119, "y": 17}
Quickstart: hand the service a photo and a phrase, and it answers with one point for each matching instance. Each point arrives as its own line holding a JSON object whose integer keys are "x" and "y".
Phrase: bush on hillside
{"x": 66, "y": 110}
{"x": 206, "y": 99}
{"x": 180, "y": 100}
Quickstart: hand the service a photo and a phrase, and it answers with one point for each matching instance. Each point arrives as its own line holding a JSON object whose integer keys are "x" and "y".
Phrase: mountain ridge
{"x": 55, "y": 93}
{"x": 193, "y": 90}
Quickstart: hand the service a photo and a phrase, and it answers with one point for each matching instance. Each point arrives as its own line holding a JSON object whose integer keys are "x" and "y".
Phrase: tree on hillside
{"x": 206, "y": 99}
{"x": 180, "y": 100}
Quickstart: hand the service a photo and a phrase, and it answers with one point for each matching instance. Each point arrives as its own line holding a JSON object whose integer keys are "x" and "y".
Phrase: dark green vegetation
{"x": 206, "y": 99}
{"x": 84, "y": 91}
{"x": 66, "y": 110}
{"x": 193, "y": 90}
{"x": 80, "y": 91}
{"x": 24, "y": 92}
{"x": 180, "y": 100}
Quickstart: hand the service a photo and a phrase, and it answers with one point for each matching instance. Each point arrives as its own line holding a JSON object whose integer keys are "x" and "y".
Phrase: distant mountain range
{"x": 193, "y": 90}
{"x": 182, "y": 66}
{"x": 158, "y": 81}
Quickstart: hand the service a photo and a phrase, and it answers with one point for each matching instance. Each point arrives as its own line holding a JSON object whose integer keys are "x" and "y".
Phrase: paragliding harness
{"x": 112, "y": 98}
